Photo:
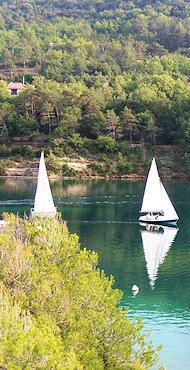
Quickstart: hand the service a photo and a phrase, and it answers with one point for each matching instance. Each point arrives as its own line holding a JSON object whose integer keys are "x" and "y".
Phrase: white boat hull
{"x": 159, "y": 220}
{"x": 44, "y": 214}
{"x": 3, "y": 223}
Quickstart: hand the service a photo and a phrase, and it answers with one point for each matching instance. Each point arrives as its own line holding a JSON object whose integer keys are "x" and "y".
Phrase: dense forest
{"x": 100, "y": 74}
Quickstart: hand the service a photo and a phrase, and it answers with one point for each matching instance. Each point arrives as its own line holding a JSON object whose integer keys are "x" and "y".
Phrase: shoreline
{"x": 78, "y": 167}
{"x": 96, "y": 177}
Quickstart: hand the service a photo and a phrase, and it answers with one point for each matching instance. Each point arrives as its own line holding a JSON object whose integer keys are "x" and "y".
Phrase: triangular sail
{"x": 156, "y": 245}
{"x": 155, "y": 197}
{"x": 152, "y": 199}
{"x": 43, "y": 204}
{"x": 169, "y": 210}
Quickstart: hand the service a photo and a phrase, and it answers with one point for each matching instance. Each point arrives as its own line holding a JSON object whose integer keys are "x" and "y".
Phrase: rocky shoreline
{"x": 29, "y": 169}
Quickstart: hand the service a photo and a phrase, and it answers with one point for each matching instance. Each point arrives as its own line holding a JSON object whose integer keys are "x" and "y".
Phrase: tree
{"x": 48, "y": 116}
{"x": 7, "y": 59}
{"x": 12, "y": 41}
{"x": 152, "y": 129}
{"x": 70, "y": 121}
{"x": 51, "y": 91}
{"x": 4, "y": 92}
{"x": 112, "y": 122}
{"x": 143, "y": 97}
{"x": 25, "y": 51}
{"x": 5, "y": 111}
{"x": 53, "y": 66}
{"x": 93, "y": 125}
{"x": 106, "y": 144}
{"x": 74, "y": 93}
{"x": 27, "y": 101}
{"x": 129, "y": 122}
{"x": 43, "y": 100}
{"x": 95, "y": 100}
{"x": 57, "y": 309}
{"x": 182, "y": 134}
{"x": 147, "y": 125}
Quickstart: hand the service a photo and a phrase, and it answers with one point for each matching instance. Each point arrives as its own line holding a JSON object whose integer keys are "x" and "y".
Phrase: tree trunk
{"x": 57, "y": 114}
{"x": 131, "y": 137}
{"x": 154, "y": 138}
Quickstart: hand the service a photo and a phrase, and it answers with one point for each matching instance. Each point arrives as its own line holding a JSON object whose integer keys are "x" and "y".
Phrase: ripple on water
{"x": 16, "y": 202}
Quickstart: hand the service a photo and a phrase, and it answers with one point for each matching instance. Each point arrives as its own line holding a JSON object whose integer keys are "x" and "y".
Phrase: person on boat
{"x": 150, "y": 216}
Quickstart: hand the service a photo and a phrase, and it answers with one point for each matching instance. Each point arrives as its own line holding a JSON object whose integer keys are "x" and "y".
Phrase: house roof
{"x": 15, "y": 85}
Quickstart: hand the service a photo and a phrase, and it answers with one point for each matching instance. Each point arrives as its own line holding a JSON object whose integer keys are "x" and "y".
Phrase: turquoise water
{"x": 104, "y": 214}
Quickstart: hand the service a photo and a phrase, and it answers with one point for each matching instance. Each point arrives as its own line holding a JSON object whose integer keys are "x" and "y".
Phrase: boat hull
{"x": 42, "y": 214}
{"x": 157, "y": 221}
{"x": 3, "y": 223}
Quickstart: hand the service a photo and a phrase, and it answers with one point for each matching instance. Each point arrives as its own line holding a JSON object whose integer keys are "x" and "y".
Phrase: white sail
{"x": 43, "y": 203}
{"x": 156, "y": 241}
{"x": 152, "y": 199}
{"x": 155, "y": 199}
{"x": 169, "y": 210}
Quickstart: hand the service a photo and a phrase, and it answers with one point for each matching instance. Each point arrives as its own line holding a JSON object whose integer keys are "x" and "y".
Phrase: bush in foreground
{"x": 58, "y": 311}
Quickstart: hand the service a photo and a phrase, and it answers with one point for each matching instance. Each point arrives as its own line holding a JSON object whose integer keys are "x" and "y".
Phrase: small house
{"x": 15, "y": 87}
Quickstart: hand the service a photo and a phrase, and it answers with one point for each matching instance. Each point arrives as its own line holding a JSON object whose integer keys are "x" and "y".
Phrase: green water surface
{"x": 104, "y": 214}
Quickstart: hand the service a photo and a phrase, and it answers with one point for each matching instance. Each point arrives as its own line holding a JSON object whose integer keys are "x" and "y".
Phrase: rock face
{"x": 170, "y": 166}
{"x": 30, "y": 168}
{"x": 25, "y": 169}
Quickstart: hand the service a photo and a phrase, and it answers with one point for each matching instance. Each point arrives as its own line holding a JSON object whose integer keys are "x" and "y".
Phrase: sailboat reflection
{"x": 157, "y": 241}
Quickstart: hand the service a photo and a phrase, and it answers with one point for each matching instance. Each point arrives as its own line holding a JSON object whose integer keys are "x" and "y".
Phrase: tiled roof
{"x": 15, "y": 85}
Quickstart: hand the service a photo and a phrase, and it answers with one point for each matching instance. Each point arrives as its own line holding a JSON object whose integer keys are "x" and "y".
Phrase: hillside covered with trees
{"x": 99, "y": 74}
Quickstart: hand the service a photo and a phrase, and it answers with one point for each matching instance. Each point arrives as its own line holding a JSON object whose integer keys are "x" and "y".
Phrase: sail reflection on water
{"x": 156, "y": 240}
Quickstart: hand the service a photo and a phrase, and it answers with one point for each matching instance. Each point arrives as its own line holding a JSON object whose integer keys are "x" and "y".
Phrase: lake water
{"x": 104, "y": 214}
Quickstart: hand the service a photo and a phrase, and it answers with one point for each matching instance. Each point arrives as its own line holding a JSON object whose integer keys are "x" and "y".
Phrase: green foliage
{"x": 4, "y": 93}
{"x": 4, "y": 151}
{"x": 123, "y": 165}
{"x": 3, "y": 168}
{"x": 26, "y": 151}
{"x": 52, "y": 163}
{"x": 67, "y": 171}
{"x": 187, "y": 162}
{"x": 76, "y": 141}
{"x": 61, "y": 147}
{"x": 106, "y": 144}
{"x": 22, "y": 125}
{"x": 57, "y": 309}
{"x": 99, "y": 169}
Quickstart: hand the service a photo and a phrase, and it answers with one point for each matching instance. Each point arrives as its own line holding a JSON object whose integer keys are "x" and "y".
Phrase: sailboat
{"x": 43, "y": 203}
{"x": 156, "y": 240}
{"x": 156, "y": 206}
